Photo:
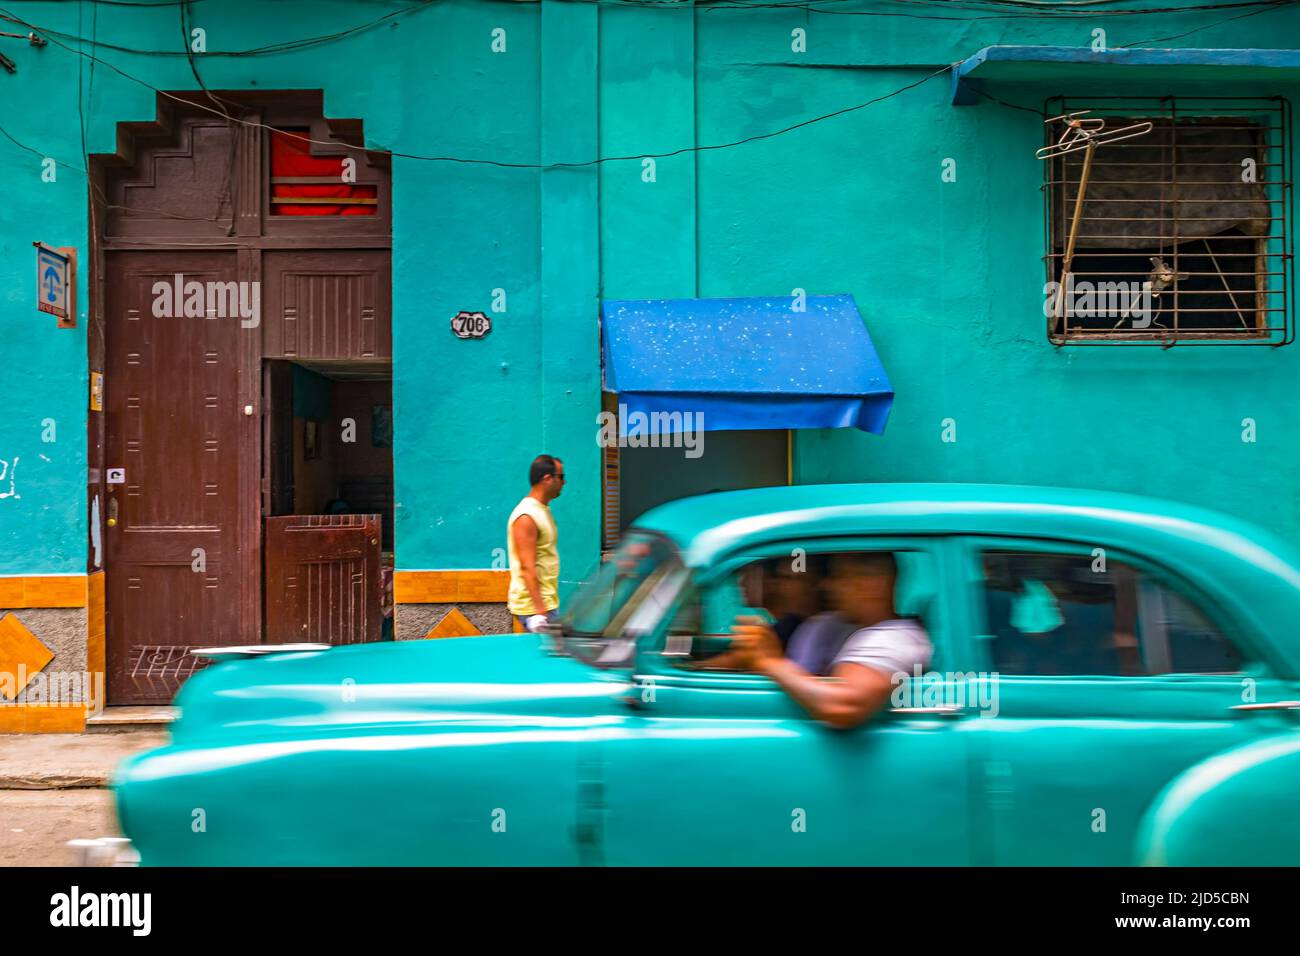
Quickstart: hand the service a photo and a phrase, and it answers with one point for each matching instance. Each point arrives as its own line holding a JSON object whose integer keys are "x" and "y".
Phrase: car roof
{"x": 708, "y": 524}
{"x": 1232, "y": 559}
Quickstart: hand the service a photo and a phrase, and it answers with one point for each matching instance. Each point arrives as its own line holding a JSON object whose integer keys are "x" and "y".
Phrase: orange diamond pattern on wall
{"x": 453, "y": 624}
{"x": 22, "y": 656}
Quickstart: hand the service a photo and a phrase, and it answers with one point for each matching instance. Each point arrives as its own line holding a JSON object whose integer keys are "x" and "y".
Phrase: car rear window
{"x": 1081, "y": 614}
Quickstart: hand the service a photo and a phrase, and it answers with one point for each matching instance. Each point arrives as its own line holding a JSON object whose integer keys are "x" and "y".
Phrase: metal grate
{"x": 1184, "y": 235}
{"x": 610, "y": 519}
{"x": 158, "y": 670}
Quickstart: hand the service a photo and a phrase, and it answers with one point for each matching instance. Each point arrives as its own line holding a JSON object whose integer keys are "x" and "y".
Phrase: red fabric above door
{"x": 291, "y": 156}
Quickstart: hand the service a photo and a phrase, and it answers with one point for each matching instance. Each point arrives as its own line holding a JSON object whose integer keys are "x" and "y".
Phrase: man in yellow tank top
{"x": 531, "y": 545}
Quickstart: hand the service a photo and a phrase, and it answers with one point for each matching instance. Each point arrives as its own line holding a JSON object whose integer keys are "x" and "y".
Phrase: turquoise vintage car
{"x": 1114, "y": 681}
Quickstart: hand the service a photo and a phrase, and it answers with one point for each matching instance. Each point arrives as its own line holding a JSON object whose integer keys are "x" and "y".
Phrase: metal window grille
{"x": 1184, "y": 235}
{"x": 610, "y": 499}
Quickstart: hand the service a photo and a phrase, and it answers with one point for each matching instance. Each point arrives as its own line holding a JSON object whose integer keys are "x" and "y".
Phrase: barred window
{"x": 1183, "y": 233}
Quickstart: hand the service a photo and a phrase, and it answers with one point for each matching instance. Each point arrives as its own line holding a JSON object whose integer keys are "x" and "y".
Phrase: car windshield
{"x": 601, "y": 607}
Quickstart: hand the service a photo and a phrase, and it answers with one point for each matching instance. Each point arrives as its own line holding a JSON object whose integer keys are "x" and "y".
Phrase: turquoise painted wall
{"x": 947, "y": 275}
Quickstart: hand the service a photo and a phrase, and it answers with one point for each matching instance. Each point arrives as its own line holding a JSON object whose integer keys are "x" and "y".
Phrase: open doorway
{"x": 735, "y": 460}
{"x": 328, "y": 451}
{"x": 230, "y": 248}
{"x": 644, "y": 475}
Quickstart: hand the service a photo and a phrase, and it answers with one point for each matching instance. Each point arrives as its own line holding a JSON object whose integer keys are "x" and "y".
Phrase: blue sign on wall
{"x": 53, "y": 278}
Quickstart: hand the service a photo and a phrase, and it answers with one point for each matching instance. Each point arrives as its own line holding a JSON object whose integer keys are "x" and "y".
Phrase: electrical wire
{"x": 1030, "y": 12}
{"x": 286, "y": 46}
{"x": 505, "y": 165}
{"x": 1033, "y": 9}
{"x": 103, "y": 199}
{"x": 36, "y": 152}
{"x": 989, "y": 96}
{"x": 1179, "y": 36}
{"x": 81, "y": 109}
{"x": 136, "y": 3}
{"x": 226, "y": 193}
{"x": 967, "y": 5}
{"x": 1043, "y": 4}
{"x": 1267, "y": 6}
{"x": 702, "y": 4}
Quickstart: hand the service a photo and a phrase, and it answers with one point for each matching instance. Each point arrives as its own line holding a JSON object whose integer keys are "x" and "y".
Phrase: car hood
{"x": 501, "y": 679}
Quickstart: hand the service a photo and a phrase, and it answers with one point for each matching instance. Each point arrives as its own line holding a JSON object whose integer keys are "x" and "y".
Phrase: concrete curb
{"x": 54, "y": 781}
{"x": 69, "y": 761}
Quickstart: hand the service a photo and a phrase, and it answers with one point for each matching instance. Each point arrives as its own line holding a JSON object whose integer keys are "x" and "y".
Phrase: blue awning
{"x": 744, "y": 364}
{"x": 1065, "y": 66}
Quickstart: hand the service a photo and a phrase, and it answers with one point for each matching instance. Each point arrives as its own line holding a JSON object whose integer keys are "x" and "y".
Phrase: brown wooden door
{"x": 331, "y": 304}
{"x": 176, "y": 427}
{"x": 322, "y": 579}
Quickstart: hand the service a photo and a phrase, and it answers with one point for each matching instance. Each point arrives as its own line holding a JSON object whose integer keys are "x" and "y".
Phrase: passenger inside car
{"x": 1055, "y": 615}
{"x": 1067, "y": 615}
{"x": 881, "y": 648}
{"x": 784, "y": 592}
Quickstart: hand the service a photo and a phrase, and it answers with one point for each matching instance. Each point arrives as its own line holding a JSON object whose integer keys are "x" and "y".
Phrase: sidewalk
{"x": 52, "y": 790}
{"x": 68, "y": 761}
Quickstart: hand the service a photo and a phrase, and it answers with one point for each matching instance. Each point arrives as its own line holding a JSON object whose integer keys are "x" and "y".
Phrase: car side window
{"x": 792, "y": 593}
{"x": 1073, "y": 614}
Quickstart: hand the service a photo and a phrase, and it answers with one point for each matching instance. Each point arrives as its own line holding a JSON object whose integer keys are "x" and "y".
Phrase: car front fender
{"x": 1237, "y": 808}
